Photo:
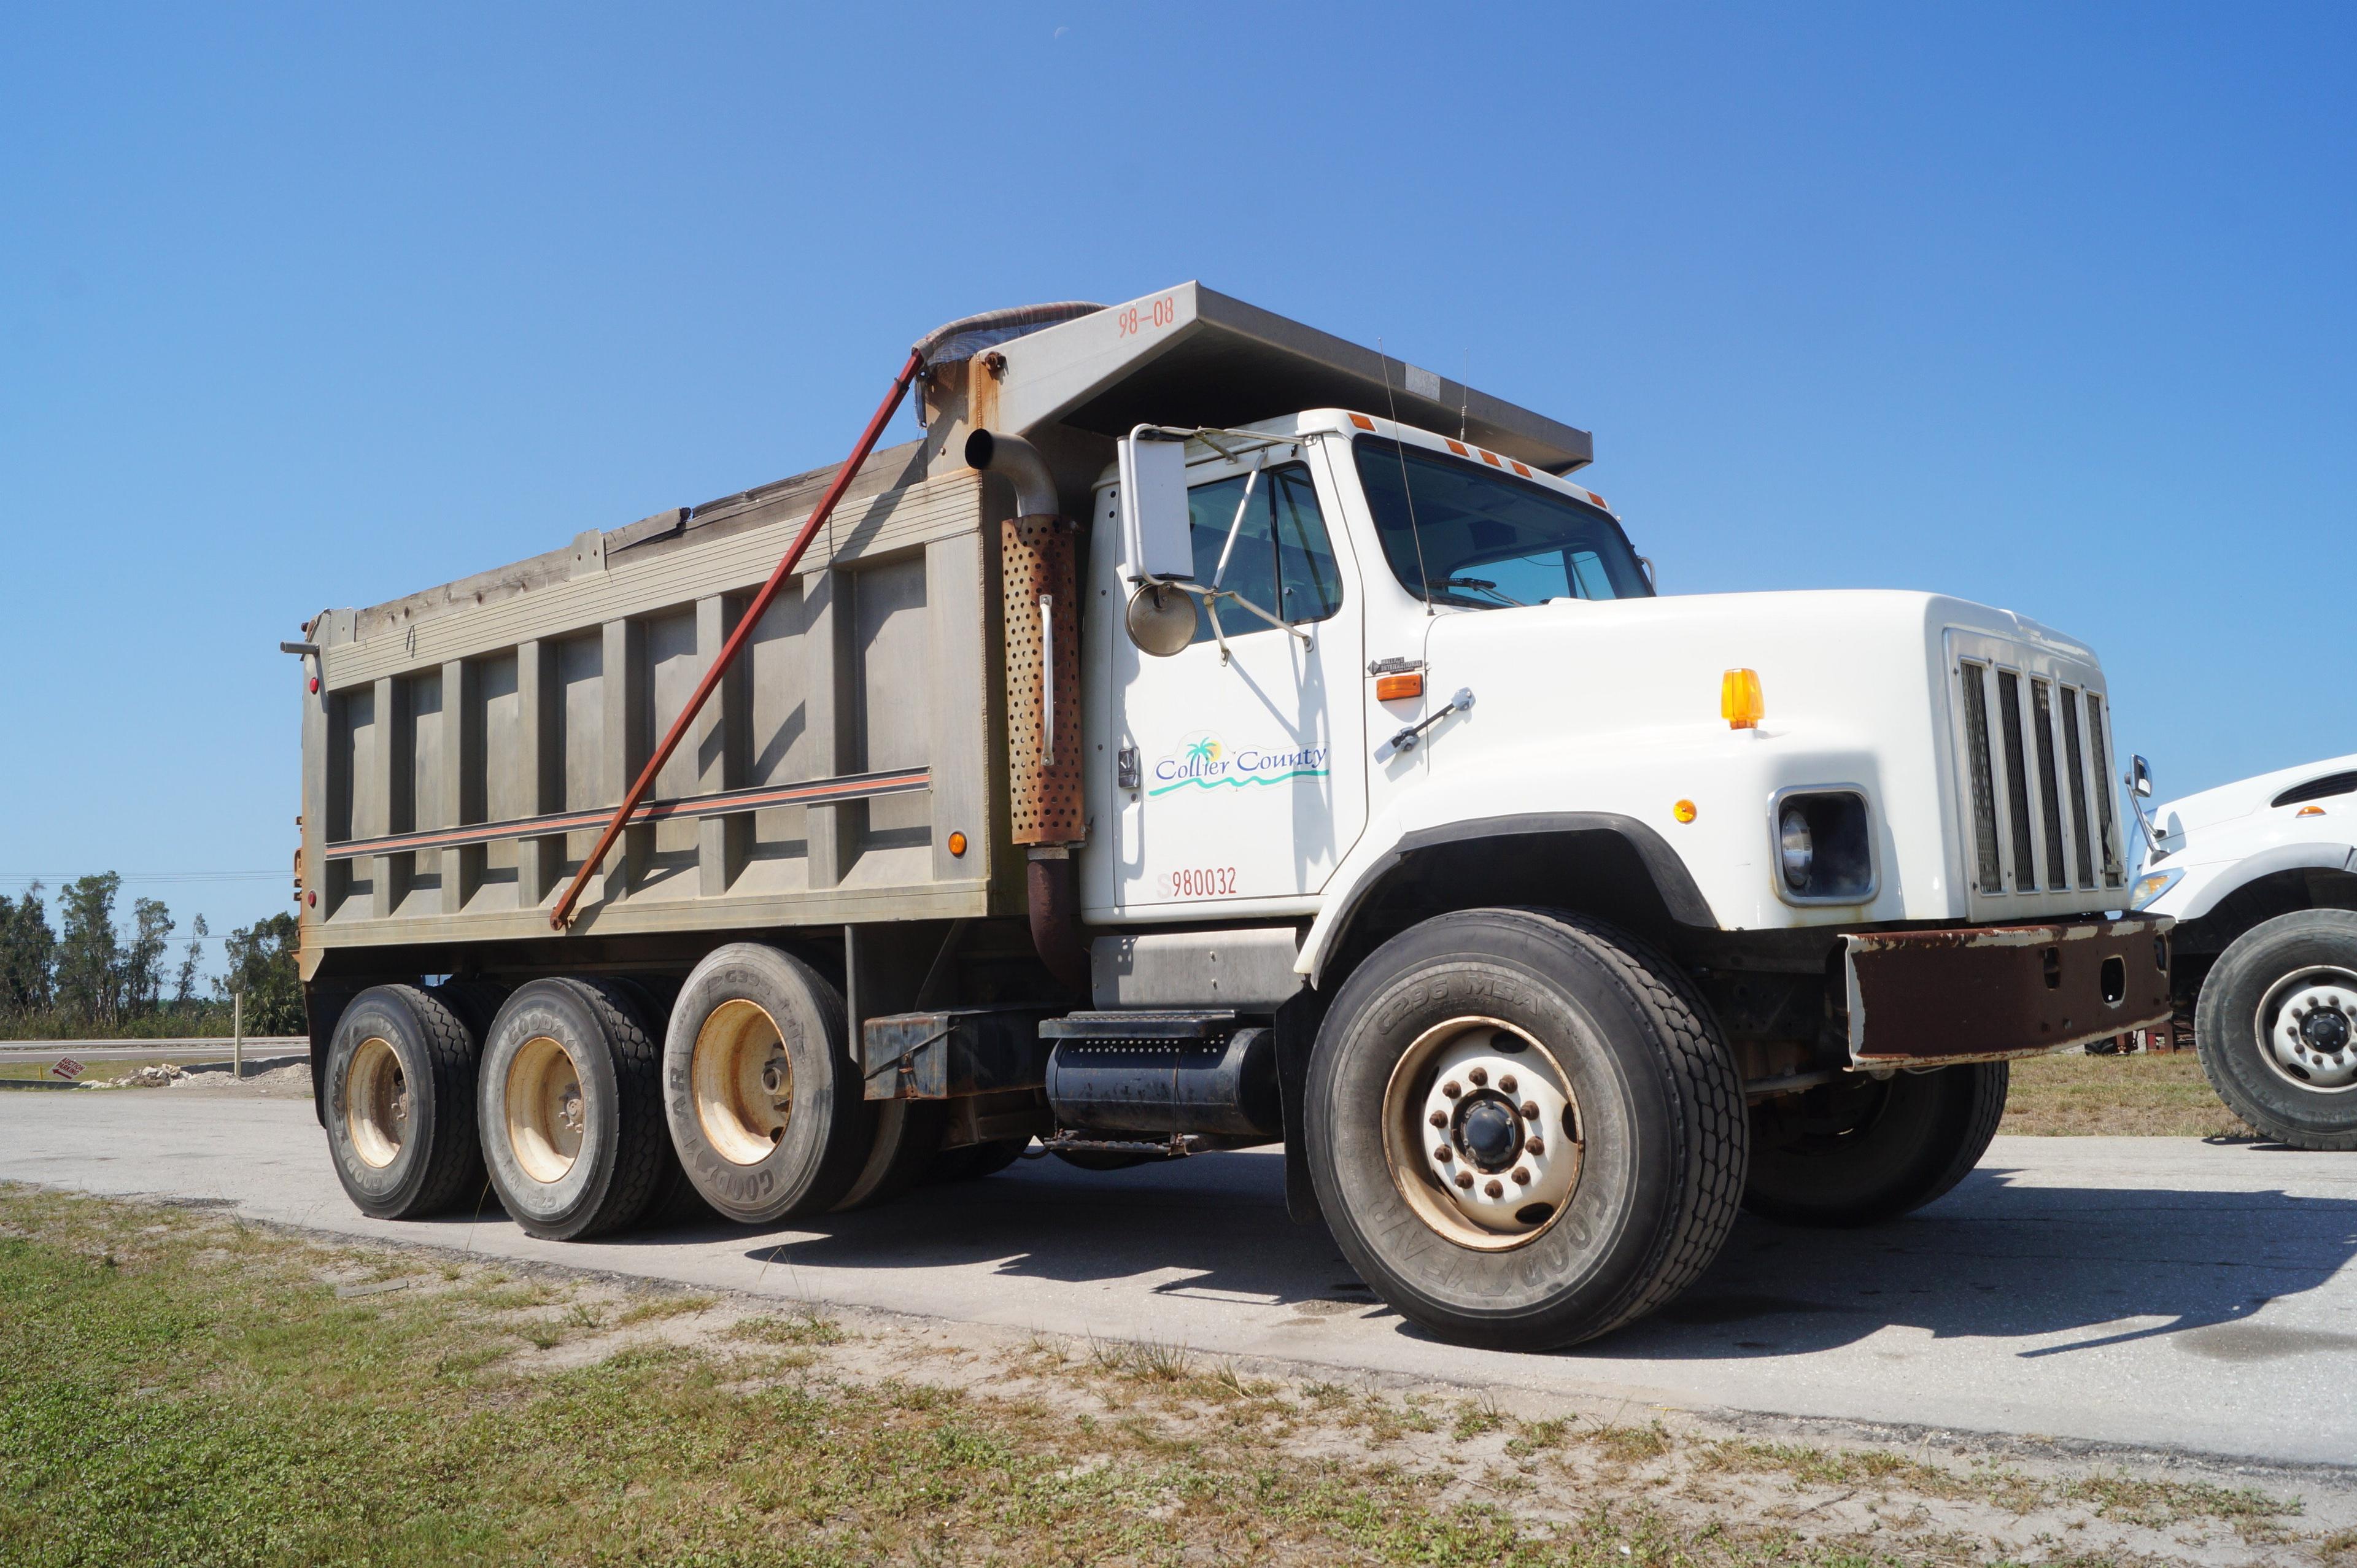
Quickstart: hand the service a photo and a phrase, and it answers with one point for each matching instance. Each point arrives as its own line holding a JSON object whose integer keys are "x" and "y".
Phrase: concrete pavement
{"x": 2152, "y": 1291}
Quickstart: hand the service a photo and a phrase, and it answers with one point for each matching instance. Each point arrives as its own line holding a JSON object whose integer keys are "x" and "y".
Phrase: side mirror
{"x": 2140, "y": 781}
{"x": 1157, "y": 540}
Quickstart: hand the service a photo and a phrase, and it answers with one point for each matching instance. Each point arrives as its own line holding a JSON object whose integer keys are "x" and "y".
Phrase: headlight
{"x": 2151, "y": 886}
{"x": 1823, "y": 852}
{"x": 1795, "y": 848}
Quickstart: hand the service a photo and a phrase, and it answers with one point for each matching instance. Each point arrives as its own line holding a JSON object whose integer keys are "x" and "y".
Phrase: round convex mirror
{"x": 1161, "y": 620}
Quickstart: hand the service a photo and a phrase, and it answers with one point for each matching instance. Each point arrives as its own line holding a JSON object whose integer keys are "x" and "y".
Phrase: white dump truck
{"x": 1210, "y": 733}
{"x": 2261, "y": 877}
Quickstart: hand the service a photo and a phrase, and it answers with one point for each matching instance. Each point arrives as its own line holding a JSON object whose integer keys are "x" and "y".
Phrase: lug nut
{"x": 1465, "y": 1178}
{"x": 1522, "y": 1176}
{"x": 1507, "y": 1083}
{"x": 1450, "y": 1089}
{"x": 1531, "y": 1110}
{"x": 1536, "y": 1146}
{"x": 1480, "y": 1075}
{"x": 1443, "y": 1154}
{"x": 1494, "y": 1191}
{"x": 1439, "y": 1117}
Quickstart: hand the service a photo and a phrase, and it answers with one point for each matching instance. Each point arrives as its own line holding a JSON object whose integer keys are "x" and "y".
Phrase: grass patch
{"x": 2072, "y": 1094}
{"x": 808, "y": 1326}
{"x": 654, "y": 1309}
{"x": 178, "y": 1389}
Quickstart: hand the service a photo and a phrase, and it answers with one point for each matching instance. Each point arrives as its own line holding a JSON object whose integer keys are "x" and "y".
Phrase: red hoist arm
{"x": 562, "y": 916}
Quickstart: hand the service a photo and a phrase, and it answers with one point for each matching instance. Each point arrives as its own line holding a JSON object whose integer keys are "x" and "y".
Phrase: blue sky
{"x": 2045, "y": 305}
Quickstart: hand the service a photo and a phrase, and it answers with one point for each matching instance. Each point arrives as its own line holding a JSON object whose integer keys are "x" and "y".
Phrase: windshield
{"x": 1459, "y": 533}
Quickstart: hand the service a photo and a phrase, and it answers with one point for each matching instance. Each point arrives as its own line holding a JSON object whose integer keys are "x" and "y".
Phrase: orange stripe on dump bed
{"x": 850, "y": 787}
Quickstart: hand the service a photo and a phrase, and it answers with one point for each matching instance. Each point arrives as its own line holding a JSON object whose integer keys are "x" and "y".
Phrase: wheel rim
{"x": 545, "y": 1111}
{"x": 2307, "y": 1026}
{"x": 1483, "y": 1133}
{"x": 376, "y": 1103}
{"x": 744, "y": 1082}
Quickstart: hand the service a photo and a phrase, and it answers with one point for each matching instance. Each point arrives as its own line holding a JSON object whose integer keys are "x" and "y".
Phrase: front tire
{"x": 1587, "y": 1167}
{"x": 1861, "y": 1150}
{"x": 2276, "y": 1028}
{"x": 401, "y": 1103}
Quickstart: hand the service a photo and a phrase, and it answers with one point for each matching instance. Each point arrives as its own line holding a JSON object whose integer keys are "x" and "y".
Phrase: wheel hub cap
{"x": 1498, "y": 1133}
{"x": 2308, "y": 1029}
{"x": 1489, "y": 1132}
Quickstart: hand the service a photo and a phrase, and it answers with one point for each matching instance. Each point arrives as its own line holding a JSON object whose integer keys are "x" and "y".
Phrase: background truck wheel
{"x": 2276, "y": 1028}
{"x": 974, "y": 1161}
{"x": 765, "y": 1107}
{"x": 572, "y": 1113}
{"x": 1862, "y": 1149}
{"x": 401, "y": 1104}
{"x": 1524, "y": 1127}
{"x": 907, "y": 1140}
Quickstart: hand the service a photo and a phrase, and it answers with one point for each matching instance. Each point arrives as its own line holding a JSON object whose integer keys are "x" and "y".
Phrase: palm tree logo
{"x": 1205, "y": 749}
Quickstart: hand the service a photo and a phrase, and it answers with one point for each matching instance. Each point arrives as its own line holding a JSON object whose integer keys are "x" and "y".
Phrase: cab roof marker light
{"x": 1740, "y": 701}
{"x": 1457, "y": 447}
{"x": 1362, "y": 422}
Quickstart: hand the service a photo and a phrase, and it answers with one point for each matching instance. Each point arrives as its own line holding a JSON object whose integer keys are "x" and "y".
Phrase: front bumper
{"x": 1985, "y": 991}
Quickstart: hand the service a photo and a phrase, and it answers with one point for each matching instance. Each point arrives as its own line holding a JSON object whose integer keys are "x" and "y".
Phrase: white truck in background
{"x": 1187, "y": 744}
{"x": 2261, "y": 878}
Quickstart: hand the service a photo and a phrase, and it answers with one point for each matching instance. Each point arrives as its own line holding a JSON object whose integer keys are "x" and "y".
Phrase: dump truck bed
{"x": 474, "y": 737}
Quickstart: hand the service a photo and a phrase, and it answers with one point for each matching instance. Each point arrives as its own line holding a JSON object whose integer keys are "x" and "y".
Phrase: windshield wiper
{"x": 1477, "y": 584}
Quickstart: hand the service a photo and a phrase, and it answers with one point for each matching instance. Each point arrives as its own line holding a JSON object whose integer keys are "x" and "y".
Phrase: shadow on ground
{"x": 1996, "y": 1259}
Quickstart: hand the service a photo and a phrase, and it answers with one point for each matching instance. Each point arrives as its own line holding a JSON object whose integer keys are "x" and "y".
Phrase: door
{"x": 1239, "y": 775}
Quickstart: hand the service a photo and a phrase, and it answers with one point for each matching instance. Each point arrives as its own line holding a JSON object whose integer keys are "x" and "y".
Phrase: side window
{"x": 1282, "y": 559}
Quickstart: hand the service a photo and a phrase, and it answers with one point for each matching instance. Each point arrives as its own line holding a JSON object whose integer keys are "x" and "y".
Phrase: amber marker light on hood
{"x": 1398, "y": 688}
{"x": 1684, "y": 810}
{"x": 1740, "y": 703}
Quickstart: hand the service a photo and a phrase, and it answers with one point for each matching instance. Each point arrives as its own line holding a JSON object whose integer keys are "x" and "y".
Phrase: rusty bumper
{"x": 1986, "y": 991}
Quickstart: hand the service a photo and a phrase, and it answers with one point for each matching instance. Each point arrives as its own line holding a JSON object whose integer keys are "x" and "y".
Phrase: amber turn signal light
{"x": 1740, "y": 703}
{"x": 1398, "y": 688}
{"x": 1684, "y": 810}
{"x": 957, "y": 843}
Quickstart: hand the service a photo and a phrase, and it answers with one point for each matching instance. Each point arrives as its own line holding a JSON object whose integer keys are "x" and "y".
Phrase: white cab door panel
{"x": 1233, "y": 783}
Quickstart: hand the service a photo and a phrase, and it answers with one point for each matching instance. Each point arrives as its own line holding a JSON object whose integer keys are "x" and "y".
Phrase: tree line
{"x": 86, "y": 978}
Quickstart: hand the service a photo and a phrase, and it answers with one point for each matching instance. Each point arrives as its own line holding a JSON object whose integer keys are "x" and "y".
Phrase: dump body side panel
{"x": 467, "y": 743}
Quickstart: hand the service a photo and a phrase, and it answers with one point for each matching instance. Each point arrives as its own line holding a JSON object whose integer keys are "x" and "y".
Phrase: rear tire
{"x": 399, "y": 1101}
{"x": 1602, "y": 1079}
{"x": 572, "y": 1112}
{"x": 1861, "y": 1150}
{"x": 2294, "y": 972}
{"x": 766, "y": 1109}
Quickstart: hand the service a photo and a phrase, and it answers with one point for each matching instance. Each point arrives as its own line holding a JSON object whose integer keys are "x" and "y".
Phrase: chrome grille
{"x": 2035, "y": 765}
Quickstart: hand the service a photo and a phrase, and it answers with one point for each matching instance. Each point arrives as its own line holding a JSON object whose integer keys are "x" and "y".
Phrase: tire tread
{"x": 1713, "y": 1122}
{"x": 454, "y": 1166}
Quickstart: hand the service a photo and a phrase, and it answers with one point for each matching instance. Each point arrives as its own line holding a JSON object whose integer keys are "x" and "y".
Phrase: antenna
{"x": 1408, "y": 489}
{"x": 1464, "y": 394}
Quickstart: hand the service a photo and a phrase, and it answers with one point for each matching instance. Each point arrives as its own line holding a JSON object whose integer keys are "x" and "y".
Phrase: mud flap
{"x": 1296, "y": 1033}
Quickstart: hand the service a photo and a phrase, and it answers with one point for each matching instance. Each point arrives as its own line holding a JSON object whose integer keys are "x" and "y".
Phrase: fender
{"x": 2266, "y": 862}
{"x": 1676, "y": 883}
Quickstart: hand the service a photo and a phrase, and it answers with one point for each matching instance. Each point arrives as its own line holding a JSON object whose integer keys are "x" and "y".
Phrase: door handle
{"x": 1409, "y": 738}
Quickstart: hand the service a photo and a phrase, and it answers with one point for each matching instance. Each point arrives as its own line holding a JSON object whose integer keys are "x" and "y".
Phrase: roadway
{"x": 208, "y": 1048}
{"x": 2149, "y": 1292}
